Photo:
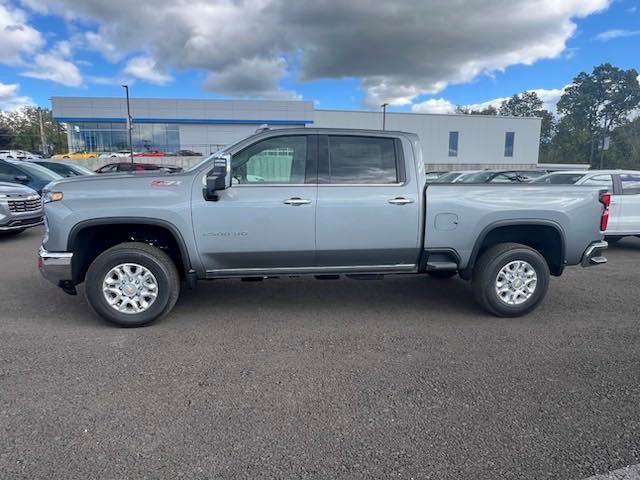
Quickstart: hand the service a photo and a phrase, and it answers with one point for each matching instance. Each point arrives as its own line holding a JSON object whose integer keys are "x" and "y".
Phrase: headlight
{"x": 49, "y": 197}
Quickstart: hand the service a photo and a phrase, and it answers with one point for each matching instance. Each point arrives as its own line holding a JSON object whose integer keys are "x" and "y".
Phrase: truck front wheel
{"x": 510, "y": 279}
{"x": 132, "y": 284}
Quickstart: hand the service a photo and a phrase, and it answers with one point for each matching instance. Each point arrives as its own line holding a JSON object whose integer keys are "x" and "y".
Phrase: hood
{"x": 15, "y": 189}
{"x": 108, "y": 179}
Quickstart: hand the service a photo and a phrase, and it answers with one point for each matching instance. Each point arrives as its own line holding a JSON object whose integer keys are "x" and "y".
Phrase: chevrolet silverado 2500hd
{"x": 320, "y": 202}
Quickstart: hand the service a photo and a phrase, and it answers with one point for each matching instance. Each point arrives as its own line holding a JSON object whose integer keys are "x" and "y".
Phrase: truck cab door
{"x": 266, "y": 219}
{"x": 368, "y": 213}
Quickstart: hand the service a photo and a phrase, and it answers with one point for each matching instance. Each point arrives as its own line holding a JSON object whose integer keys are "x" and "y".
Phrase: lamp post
{"x": 384, "y": 115}
{"x": 129, "y": 122}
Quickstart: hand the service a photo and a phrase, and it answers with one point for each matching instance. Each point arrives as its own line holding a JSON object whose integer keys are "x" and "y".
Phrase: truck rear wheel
{"x": 510, "y": 279}
{"x": 132, "y": 284}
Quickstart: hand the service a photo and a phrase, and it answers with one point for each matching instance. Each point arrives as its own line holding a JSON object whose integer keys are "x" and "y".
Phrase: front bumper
{"x": 593, "y": 254}
{"x": 18, "y": 224}
{"x": 55, "y": 266}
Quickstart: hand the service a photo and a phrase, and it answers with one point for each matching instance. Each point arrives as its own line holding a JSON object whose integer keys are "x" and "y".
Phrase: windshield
{"x": 447, "y": 177}
{"x": 559, "y": 178}
{"x": 480, "y": 177}
{"x": 40, "y": 173}
{"x": 80, "y": 168}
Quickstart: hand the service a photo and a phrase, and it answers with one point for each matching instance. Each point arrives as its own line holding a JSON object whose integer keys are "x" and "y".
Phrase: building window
{"x": 453, "y": 144}
{"x": 509, "y": 140}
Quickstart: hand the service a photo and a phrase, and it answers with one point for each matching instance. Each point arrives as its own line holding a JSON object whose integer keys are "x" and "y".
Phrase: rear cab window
{"x": 630, "y": 183}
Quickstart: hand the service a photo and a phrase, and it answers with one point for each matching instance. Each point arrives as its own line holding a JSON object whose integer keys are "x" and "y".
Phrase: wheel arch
{"x": 545, "y": 236}
{"x": 83, "y": 230}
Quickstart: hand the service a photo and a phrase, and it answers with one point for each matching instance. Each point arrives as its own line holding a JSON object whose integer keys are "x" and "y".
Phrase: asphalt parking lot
{"x": 292, "y": 378}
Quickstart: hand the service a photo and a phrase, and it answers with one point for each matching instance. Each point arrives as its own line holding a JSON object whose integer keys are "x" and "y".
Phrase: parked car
{"x": 118, "y": 154}
{"x": 500, "y": 176}
{"x": 151, "y": 153}
{"x": 188, "y": 153}
{"x": 624, "y": 185}
{"x": 455, "y": 176}
{"x": 26, "y": 173}
{"x": 356, "y": 206}
{"x": 65, "y": 169}
{"x": 430, "y": 176}
{"x": 79, "y": 155}
{"x": 20, "y": 208}
{"x": 18, "y": 155}
{"x": 136, "y": 167}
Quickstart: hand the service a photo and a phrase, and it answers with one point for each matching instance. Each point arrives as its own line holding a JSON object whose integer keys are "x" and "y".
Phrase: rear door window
{"x": 362, "y": 160}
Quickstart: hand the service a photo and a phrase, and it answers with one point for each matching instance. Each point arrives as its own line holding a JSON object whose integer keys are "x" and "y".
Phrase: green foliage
{"x": 593, "y": 106}
{"x": 24, "y": 127}
{"x": 490, "y": 110}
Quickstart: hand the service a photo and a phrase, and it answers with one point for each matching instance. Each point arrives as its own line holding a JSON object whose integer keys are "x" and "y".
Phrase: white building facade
{"x": 449, "y": 142}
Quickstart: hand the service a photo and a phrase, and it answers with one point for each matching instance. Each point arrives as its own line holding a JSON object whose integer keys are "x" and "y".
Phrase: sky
{"x": 415, "y": 55}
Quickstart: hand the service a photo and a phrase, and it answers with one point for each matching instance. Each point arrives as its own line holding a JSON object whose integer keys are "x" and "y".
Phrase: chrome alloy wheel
{"x": 130, "y": 288}
{"x": 516, "y": 282}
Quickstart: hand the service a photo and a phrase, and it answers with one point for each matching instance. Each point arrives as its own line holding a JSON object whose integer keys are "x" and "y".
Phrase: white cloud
{"x": 17, "y": 38}
{"x": 616, "y": 33}
{"x": 10, "y": 99}
{"x": 55, "y": 66}
{"x": 146, "y": 68}
{"x": 96, "y": 42}
{"x": 434, "y": 105}
{"x": 400, "y": 49}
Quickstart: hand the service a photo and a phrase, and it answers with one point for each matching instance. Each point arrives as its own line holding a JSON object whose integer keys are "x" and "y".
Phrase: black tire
{"x": 486, "y": 272}
{"x": 442, "y": 274}
{"x": 613, "y": 240}
{"x": 153, "y": 259}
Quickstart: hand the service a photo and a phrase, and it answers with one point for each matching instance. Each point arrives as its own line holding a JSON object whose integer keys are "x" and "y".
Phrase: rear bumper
{"x": 18, "y": 224}
{"x": 593, "y": 254}
{"x": 55, "y": 266}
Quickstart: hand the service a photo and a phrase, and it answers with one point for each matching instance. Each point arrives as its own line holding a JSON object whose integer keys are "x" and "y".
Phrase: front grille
{"x": 21, "y": 206}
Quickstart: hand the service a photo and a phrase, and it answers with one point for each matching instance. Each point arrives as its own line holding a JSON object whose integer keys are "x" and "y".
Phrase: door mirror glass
{"x": 219, "y": 178}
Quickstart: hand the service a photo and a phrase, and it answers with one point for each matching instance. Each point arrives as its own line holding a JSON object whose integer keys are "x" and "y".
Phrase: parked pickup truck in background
{"x": 320, "y": 202}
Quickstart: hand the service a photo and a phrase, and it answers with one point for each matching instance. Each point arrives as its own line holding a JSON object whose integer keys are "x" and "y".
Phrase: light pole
{"x": 384, "y": 115}
{"x": 129, "y": 122}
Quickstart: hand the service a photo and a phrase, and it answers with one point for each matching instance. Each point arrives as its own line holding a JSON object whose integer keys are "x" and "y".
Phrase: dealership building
{"x": 98, "y": 124}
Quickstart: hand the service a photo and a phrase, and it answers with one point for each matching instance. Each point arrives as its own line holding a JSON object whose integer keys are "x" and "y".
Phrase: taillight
{"x": 605, "y": 199}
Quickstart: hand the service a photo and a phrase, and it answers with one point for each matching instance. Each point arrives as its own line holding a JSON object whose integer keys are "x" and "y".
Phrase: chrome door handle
{"x": 400, "y": 201}
{"x": 295, "y": 201}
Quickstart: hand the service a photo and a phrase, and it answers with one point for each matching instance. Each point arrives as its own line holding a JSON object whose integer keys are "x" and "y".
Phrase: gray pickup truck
{"x": 20, "y": 208}
{"x": 319, "y": 202}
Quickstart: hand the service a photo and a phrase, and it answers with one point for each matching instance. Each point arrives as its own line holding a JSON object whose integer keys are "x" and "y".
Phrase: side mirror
{"x": 219, "y": 178}
{"x": 21, "y": 178}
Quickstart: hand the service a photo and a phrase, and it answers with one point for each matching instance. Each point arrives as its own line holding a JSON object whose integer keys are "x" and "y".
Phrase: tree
{"x": 597, "y": 103}
{"x": 6, "y": 137}
{"x": 490, "y": 110}
{"x": 24, "y": 125}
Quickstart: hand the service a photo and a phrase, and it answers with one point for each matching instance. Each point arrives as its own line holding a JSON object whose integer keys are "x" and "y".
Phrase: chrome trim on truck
{"x": 593, "y": 254}
{"x": 55, "y": 266}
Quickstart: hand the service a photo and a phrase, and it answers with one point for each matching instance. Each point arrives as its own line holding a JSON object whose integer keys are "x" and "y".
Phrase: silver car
{"x": 20, "y": 208}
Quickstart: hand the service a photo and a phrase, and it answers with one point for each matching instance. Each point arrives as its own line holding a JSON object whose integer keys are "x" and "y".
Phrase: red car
{"x": 136, "y": 167}
{"x": 151, "y": 153}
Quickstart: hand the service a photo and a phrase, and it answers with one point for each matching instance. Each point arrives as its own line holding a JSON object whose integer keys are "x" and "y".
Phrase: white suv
{"x": 18, "y": 155}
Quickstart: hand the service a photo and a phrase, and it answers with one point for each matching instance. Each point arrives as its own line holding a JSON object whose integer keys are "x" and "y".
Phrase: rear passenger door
{"x": 367, "y": 214}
